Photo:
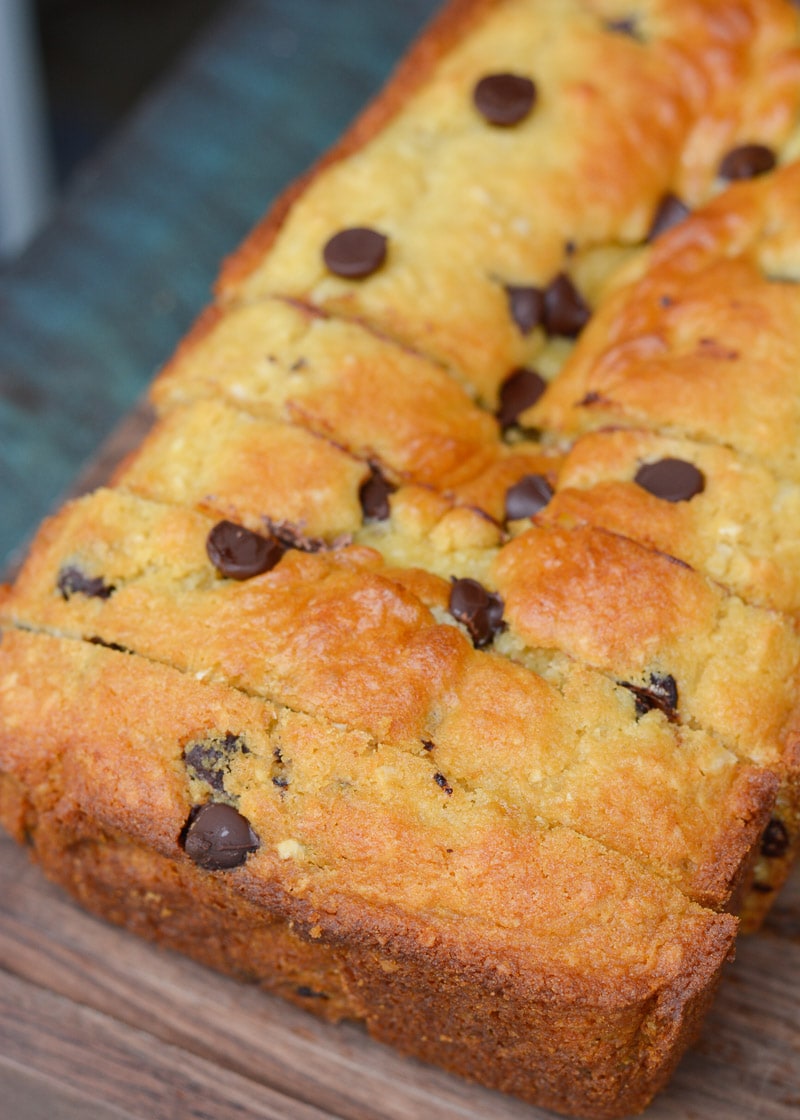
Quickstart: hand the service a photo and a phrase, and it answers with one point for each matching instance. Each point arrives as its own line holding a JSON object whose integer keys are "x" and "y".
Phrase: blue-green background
{"x": 93, "y": 308}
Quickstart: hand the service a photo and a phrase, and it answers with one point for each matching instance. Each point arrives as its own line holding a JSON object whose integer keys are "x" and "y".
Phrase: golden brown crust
{"x": 411, "y": 73}
{"x": 501, "y": 772}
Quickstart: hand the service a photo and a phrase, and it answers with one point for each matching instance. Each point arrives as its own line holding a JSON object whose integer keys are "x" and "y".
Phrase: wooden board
{"x": 98, "y": 1025}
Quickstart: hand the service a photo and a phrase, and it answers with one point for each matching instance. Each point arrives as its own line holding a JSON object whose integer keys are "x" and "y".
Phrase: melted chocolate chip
{"x": 428, "y": 745}
{"x": 526, "y": 306}
{"x": 72, "y": 581}
{"x": 374, "y": 496}
{"x": 775, "y": 841}
{"x": 443, "y": 783}
{"x": 521, "y": 389}
{"x": 626, "y": 26}
{"x": 209, "y": 760}
{"x": 566, "y": 312}
{"x": 217, "y": 837}
{"x": 671, "y": 210}
{"x": 504, "y": 99}
{"x": 661, "y": 693}
{"x": 238, "y": 553}
{"x": 673, "y": 480}
{"x": 526, "y": 497}
{"x": 481, "y": 611}
{"x": 747, "y": 162}
{"x": 355, "y": 253}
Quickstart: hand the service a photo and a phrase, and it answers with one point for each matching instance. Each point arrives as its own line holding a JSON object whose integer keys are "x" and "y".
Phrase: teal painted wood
{"x": 93, "y": 308}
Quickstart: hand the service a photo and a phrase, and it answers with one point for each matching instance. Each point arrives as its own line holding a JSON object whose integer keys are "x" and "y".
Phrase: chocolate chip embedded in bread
{"x": 747, "y": 161}
{"x": 504, "y": 99}
{"x": 355, "y": 253}
{"x": 671, "y": 210}
{"x": 566, "y": 312}
{"x": 72, "y": 581}
{"x": 521, "y": 389}
{"x": 217, "y": 837}
{"x": 673, "y": 480}
{"x": 661, "y": 693}
{"x": 443, "y": 783}
{"x": 775, "y": 841}
{"x": 526, "y": 497}
{"x": 481, "y": 611}
{"x": 625, "y": 26}
{"x": 208, "y": 760}
{"x": 526, "y": 306}
{"x": 374, "y": 496}
{"x": 238, "y": 553}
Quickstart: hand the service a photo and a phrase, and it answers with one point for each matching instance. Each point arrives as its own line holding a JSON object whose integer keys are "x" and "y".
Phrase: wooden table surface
{"x": 95, "y": 1024}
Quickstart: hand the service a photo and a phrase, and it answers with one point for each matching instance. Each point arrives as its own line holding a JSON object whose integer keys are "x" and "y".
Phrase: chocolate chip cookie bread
{"x": 434, "y": 659}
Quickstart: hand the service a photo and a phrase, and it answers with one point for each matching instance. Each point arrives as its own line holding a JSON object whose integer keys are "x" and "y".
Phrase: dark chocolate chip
{"x": 310, "y": 993}
{"x": 673, "y": 480}
{"x": 747, "y": 162}
{"x": 428, "y": 745}
{"x": 775, "y": 841}
{"x": 504, "y": 99}
{"x": 355, "y": 253}
{"x": 238, "y": 553}
{"x": 626, "y": 26}
{"x": 217, "y": 837}
{"x": 443, "y": 783}
{"x": 526, "y": 497}
{"x": 209, "y": 760}
{"x": 671, "y": 210}
{"x": 374, "y": 496}
{"x": 566, "y": 312}
{"x": 72, "y": 581}
{"x": 526, "y": 306}
{"x": 661, "y": 693}
{"x": 481, "y": 611}
{"x": 521, "y": 389}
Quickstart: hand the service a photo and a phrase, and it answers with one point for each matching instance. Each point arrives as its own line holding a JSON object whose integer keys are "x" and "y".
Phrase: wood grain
{"x": 110, "y": 1026}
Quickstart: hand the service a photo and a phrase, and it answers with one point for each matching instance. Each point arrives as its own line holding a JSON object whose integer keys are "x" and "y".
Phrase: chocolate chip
{"x": 209, "y": 760}
{"x": 443, "y": 783}
{"x": 671, "y": 210}
{"x": 775, "y": 841}
{"x": 374, "y": 496}
{"x": 355, "y": 253}
{"x": 526, "y": 306}
{"x": 504, "y": 99}
{"x": 626, "y": 26}
{"x": 747, "y": 161}
{"x": 526, "y": 497}
{"x": 661, "y": 693}
{"x": 565, "y": 311}
{"x": 673, "y": 480}
{"x": 481, "y": 611}
{"x": 218, "y": 837}
{"x": 428, "y": 745}
{"x": 521, "y": 389}
{"x": 238, "y": 553}
{"x": 310, "y": 993}
{"x": 72, "y": 581}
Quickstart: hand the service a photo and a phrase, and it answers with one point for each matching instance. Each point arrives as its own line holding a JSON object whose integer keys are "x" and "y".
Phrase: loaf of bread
{"x": 434, "y": 659}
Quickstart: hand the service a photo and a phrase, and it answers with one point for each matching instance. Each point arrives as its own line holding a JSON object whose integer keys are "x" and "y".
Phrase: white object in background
{"x": 26, "y": 179}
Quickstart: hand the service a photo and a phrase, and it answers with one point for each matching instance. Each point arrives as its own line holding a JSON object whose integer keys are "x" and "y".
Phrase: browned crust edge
{"x": 413, "y": 70}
